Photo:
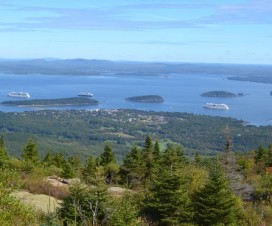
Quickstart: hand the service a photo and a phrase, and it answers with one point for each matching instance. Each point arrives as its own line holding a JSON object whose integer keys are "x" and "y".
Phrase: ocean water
{"x": 181, "y": 93}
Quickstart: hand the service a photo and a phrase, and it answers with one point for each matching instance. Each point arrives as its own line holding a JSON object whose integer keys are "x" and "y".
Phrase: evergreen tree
{"x": 48, "y": 159}
{"x": 148, "y": 160}
{"x": 260, "y": 154}
{"x": 3, "y": 153}
{"x": 156, "y": 152}
{"x": 30, "y": 154}
{"x": 197, "y": 159}
{"x": 75, "y": 163}
{"x": 68, "y": 171}
{"x": 108, "y": 161}
{"x": 148, "y": 146}
{"x": 59, "y": 160}
{"x": 89, "y": 170}
{"x": 169, "y": 202}
{"x": 173, "y": 158}
{"x": 215, "y": 204}
{"x": 131, "y": 169}
{"x": 107, "y": 156}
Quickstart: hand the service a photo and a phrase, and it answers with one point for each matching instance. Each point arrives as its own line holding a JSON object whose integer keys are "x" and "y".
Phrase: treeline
{"x": 163, "y": 187}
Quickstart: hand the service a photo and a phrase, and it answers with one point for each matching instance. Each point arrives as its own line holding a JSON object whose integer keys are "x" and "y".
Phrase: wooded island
{"x": 146, "y": 99}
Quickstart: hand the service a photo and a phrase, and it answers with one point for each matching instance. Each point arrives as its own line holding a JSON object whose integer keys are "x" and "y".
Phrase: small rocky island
{"x": 73, "y": 101}
{"x": 220, "y": 94}
{"x": 146, "y": 99}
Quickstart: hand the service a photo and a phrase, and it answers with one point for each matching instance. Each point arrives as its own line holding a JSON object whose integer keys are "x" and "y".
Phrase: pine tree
{"x": 149, "y": 164}
{"x": 89, "y": 170}
{"x": 108, "y": 161}
{"x": 157, "y": 152}
{"x": 59, "y": 160}
{"x": 148, "y": 146}
{"x": 48, "y": 160}
{"x": 215, "y": 203}
{"x": 169, "y": 203}
{"x": 260, "y": 154}
{"x": 197, "y": 159}
{"x": 68, "y": 171}
{"x": 107, "y": 156}
{"x": 75, "y": 163}
{"x": 173, "y": 158}
{"x": 131, "y": 169}
{"x": 30, "y": 154}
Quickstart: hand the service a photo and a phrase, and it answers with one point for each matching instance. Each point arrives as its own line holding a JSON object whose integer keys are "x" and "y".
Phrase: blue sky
{"x": 211, "y": 31}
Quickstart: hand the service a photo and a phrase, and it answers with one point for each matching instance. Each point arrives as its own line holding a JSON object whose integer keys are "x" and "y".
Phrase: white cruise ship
{"x": 85, "y": 94}
{"x": 19, "y": 94}
{"x": 216, "y": 106}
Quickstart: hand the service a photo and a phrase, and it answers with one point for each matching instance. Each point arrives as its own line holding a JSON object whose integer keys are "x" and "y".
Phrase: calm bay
{"x": 181, "y": 93}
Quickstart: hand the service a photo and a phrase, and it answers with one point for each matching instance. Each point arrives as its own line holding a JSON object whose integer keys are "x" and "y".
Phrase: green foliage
{"x": 13, "y": 212}
{"x": 78, "y": 132}
{"x": 126, "y": 212}
{"x": 263, "y": 186}
{"x": 85, "y": 205}
{"x": 30, "y": 154}
{"x": 59, "y": 160}
{"x": 157, "y": 151}
{"x": 169, "y": 189}
{"x": 173, "y": 158}
{"x": 54, "y": 102}
{"x": 89, "y": 171}
{"x": 107, "y": 156}
{"x": 9, "y": 179}
{"x": 131, "y": 170}
{"x": 169, "y": 203}
{"x": 68, "y": 171}
{"x": 214, "y": 204}
{"x": 108, "y": 161}
{"x": 149, "y": 164}
{"x": 48, "y": 160}
{"x": 3, "y": 153}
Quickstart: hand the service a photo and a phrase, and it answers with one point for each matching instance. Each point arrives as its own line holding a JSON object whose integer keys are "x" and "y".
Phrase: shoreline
{"x": 48, "y": 105}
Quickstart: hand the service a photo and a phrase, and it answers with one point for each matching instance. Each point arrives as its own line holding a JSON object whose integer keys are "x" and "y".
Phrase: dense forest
{"x": 152, "y": 186}
{"x": 83, "y": 132}
{"x": 130, "y": 167}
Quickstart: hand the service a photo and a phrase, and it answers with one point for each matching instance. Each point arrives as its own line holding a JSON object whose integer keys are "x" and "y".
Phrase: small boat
{"x": 19, "y": 94}
{"x": 216, "y": 106}
{"x": 85, "y": 94}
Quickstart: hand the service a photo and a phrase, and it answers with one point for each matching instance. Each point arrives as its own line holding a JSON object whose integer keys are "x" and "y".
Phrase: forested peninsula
{"x": 73, "y": 101}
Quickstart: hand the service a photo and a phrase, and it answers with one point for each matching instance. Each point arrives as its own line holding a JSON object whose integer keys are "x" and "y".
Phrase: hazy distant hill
{"x": 48, "y": 66}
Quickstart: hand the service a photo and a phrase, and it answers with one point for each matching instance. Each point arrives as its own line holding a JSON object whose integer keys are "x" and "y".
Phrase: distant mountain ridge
{"x": 78, "y": 66}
